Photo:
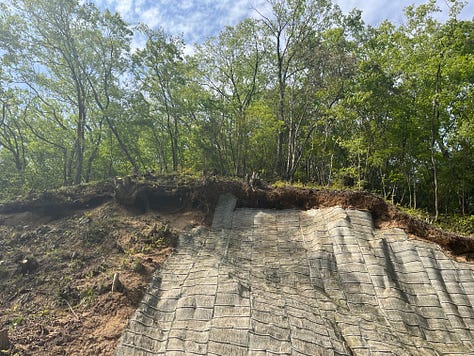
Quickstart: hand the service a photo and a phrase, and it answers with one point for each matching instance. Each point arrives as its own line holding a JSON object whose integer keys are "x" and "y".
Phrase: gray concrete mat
{"x": 317, "y": 282}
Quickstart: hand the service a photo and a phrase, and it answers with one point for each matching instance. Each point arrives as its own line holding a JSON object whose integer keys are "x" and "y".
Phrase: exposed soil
{"x": 60, "y": 251}
{"x": 57, "y": 266}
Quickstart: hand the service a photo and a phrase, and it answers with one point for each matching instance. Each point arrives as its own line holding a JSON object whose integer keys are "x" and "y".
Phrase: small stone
{"x": 28, "y": 265}
{"x": 116, "y": 284}
{"x": 4, "y": 340}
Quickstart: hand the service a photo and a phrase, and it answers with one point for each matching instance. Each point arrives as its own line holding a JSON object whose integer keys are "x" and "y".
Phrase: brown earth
{"x": 60, "y": 250}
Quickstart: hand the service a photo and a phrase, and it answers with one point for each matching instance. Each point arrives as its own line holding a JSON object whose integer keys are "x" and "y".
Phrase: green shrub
{"x": 457, "y": 223}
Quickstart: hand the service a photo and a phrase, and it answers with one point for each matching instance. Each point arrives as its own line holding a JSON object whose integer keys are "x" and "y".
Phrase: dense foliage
{"x": 306, "y": 93}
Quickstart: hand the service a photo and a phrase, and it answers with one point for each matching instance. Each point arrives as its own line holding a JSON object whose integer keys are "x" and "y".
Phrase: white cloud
{"x": 185, "y": 4}
{"x": 123, "y": 6}
{"x": 138, "y": 42}
{"x": 376, "y": 11}
{"x": 236, "y": 11}
{"x": 197, "y": 20}
{"x": 189, "y": 50}
{"x": 151, "y": 17}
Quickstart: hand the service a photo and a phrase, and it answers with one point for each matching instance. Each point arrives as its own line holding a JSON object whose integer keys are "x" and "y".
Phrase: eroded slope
{"x": 321, "y": 281}
{"x": 75, "y": 239}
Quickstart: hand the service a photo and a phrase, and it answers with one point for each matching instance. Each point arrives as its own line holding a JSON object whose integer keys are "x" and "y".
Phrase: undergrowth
{"x": 458, "y": 224}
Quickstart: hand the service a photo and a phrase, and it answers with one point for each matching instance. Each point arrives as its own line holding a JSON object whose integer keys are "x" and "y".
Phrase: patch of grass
{"x": 87, "y": 295}
{"x": 459, "y": 224}
{"x": 133, "y": 264}
{"x": 17, "y": 321}
{"x": 300, "y": 184}
{"x": 40, "y": 314}
{"x": 138, "y": 267}
{"x": 417, "y": 213}
{"x": 95, "y": 231}
{"x": 285, "y": 184}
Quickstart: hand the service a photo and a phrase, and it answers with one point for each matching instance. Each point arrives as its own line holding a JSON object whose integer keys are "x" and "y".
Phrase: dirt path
{"x": 304, "y": 283}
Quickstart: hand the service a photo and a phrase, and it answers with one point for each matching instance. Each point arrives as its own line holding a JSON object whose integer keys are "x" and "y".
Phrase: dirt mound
{"x": 203, "y": 195}
{"x": 56, "y": 275}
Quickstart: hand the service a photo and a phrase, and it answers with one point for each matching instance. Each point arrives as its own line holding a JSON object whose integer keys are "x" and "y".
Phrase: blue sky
{"x": 199, "y": 19}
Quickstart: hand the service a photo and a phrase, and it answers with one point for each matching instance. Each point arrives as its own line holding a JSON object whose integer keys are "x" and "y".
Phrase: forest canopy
{"x": 307, "y": 93}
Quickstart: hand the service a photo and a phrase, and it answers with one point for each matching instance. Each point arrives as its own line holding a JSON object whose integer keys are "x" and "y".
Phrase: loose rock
{"x": 116, "y": 284}
{"x": 28, "y": 265}
{"x": 4, "y": 340}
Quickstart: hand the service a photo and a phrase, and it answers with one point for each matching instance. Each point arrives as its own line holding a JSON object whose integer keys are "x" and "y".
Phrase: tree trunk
{"x": 435, "y": 117}
{"x": 122, "y": 145}
{"x": 80, "y": 140}
{"x": 278, "y": 165}
{"x": 281, "y": 107}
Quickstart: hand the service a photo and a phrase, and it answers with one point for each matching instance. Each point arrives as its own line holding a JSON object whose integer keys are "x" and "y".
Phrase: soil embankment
{"x": 60, "y": 250}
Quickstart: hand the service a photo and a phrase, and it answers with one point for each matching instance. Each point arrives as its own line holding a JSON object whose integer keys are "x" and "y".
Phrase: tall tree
{"x": 109, "y": 38}
{"x": 293, "y": 28}
{"x": 422, "y": 42}
{"x": 230, "y": 68}
{"x": 68, "y": 55}
{"x": 12, "y": 132}
{"x": 160, "y": 70}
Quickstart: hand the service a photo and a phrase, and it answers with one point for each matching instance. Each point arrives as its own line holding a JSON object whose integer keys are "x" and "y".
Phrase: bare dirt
{"x": 60, "y": 251}
{"x": 56, "y": 274}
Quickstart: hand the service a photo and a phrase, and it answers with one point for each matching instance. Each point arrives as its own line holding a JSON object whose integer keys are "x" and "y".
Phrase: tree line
{"x": 303, "y": 93}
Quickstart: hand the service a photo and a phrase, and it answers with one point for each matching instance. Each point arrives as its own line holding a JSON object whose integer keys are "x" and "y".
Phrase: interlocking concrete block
{"x": 317, "y": 282}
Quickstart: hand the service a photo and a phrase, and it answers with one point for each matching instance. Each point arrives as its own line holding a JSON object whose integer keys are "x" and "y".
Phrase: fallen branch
{"x": 72, "y": 310}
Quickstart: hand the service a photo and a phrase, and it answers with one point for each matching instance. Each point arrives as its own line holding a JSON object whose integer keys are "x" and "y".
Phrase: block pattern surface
{"x": 317, "y": 282}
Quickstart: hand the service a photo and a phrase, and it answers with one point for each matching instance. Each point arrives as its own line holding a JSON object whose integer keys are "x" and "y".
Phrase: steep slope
{"x": 320, "y": 281}
{"x": 60, "y": 251}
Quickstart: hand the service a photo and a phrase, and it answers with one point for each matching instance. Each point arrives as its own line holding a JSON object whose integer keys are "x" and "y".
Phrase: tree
{"x": 230, "y": 70}
{"x": 12, "y": 133}
{"x": 425, "y": 41}
{"x": 70, "y": 56}
{"x": 109, "y": 38}
{"x": 320, "y": 115}
{"x": 293, "y": 30}
{"x": 160, "y": 70}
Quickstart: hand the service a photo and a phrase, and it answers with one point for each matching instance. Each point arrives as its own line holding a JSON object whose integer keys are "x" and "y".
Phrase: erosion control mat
{"x": 320, "y": 281}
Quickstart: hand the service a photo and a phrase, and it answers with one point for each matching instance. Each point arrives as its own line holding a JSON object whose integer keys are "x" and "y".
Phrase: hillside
{"x": 60, "y": 250}
{"x": 303, "y": 282}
